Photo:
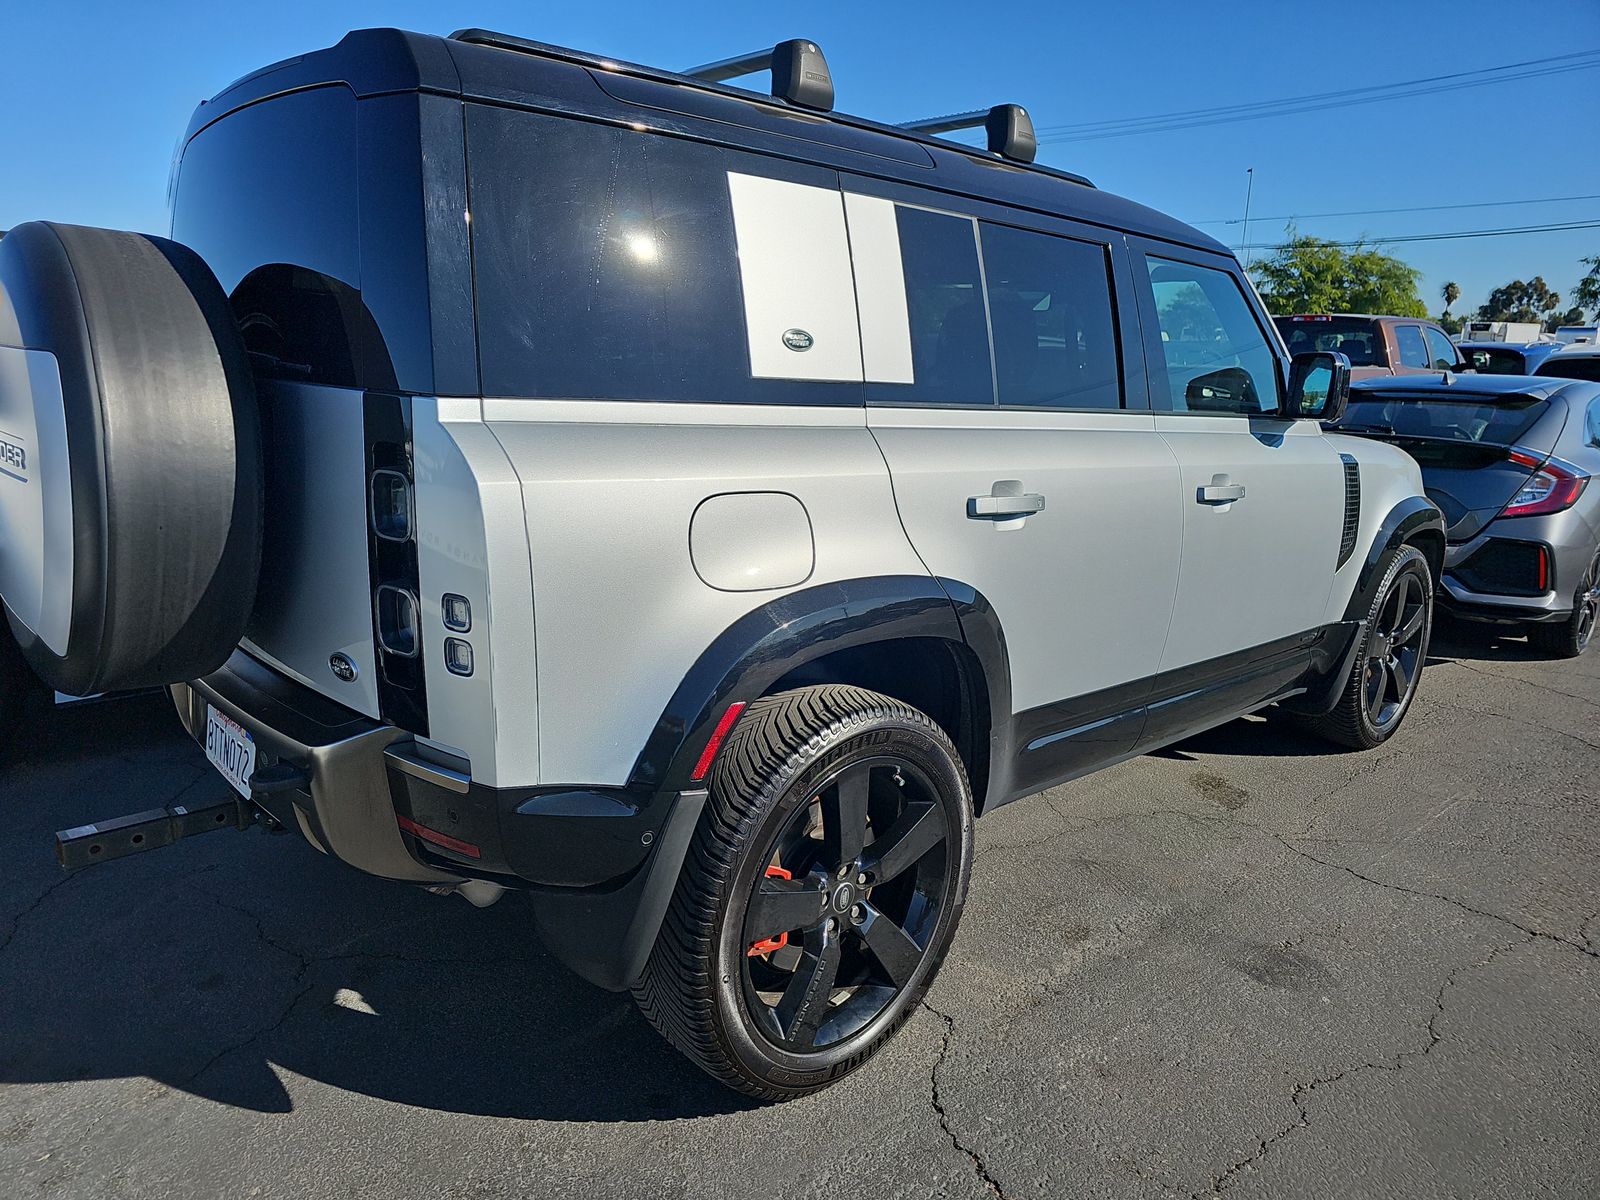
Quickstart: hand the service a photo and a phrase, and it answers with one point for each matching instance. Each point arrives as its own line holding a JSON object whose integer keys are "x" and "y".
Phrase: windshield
{"x": 1357, "y": 338}
{"x": 1496, "y": 421}
{"x": 1571, "y": 366}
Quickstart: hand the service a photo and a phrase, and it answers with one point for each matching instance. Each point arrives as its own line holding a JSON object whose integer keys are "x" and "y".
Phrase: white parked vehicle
{"x": 687, "y": 507}
{"x": 1501, "y": 331}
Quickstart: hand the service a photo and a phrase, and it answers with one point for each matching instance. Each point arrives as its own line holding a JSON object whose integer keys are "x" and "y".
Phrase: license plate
{"x": 231, "y": 750}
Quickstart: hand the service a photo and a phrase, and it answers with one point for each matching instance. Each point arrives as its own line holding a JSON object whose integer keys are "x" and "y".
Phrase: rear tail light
{"x": 399, "y": 631}
{"x": 1554, "y": 486}
{"x": 391, "y": 505}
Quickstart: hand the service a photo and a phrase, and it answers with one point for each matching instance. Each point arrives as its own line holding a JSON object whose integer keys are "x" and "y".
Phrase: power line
{"x": 1374, "y": 212}
{"x": 1257, "y": 110}
{"x": 1443, "y": 237}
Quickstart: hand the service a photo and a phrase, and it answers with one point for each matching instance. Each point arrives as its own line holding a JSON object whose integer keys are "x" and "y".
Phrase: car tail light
{"x": 1554, "y": 486}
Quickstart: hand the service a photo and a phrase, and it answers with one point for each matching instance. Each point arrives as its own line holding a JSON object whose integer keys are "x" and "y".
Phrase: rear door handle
{"x": 1219, "y": 493}
{"x": 1003, "y": 506}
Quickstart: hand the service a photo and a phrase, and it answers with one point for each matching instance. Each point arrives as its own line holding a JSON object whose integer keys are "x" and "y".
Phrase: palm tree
{"x": 1451, "y": 292}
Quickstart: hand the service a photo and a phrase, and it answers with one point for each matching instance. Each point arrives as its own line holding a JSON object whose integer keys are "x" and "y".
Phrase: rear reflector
{"x": 709, "y": 754}
{"x": 437, "y": 838}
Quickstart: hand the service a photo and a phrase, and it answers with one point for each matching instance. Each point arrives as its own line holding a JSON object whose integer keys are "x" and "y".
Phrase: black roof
{"x": 478, "y": 65}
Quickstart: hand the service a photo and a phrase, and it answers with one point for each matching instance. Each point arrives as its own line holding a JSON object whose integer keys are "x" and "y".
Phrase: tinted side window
{"x": 1214, "y": 354}
{"x": 1594, "y": 422}
{"x": 1055, "y": 342}
{"x": 1413, "y": 350}
{"x": 1442, "y": 350}
{"x": 945, "y": 304}
{"x": 606, "y": 265}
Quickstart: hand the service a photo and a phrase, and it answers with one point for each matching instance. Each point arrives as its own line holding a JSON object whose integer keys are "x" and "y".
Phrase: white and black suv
{"x": 687, "y": 507}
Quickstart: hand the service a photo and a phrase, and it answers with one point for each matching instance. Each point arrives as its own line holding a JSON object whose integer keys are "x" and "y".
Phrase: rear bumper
{"x": 1459, "y": 597}
{"x": 599, "y": 864}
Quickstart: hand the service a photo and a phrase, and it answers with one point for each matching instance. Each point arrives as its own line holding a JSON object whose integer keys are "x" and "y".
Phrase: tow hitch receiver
{"x": 85, "y": 845}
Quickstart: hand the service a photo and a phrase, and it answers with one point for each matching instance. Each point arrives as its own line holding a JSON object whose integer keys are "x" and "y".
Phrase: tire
{"x": 133, "y": 487}
{"x": 1383, "y": 680}
{"x": 1570, "y": 638}
{"x": 723, "y": 983}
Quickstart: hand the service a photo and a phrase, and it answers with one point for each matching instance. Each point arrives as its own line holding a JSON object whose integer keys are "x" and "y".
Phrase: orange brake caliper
{"x": 768, "y": 945}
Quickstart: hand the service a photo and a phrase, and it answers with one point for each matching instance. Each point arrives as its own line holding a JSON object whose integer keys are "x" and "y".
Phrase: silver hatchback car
{"x": 1508, "y": 460}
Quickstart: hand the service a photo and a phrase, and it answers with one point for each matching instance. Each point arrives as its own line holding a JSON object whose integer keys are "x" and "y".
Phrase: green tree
{"x": 1310, "y": 275}
{"x": 1519, "y": 301}
{"x": 1587, "y": 293}
{"x": 1451, "y": 324}
{"x": 1451, "y": 293}
{"x": 1573, "y": 316}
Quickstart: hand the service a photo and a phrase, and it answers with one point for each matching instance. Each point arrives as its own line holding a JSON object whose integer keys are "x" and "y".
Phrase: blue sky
{"x": 95, "y": 94}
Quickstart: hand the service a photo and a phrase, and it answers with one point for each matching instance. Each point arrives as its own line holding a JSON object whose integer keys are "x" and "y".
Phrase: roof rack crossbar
{"x": 799, "y": 72}
{"x": 1009, "y": 129}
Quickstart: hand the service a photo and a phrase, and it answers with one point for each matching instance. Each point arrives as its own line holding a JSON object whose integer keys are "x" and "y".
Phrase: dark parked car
{"x": 1572, "y": 362}
{"x": 1374, "y": 345}
{"x": 1508, "y": 460}
{"x": 1506, "y": 358}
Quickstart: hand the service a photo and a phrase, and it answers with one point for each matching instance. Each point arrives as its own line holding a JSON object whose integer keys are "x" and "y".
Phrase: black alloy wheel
{"x": 1571, "y": 637}
{"x": 837, "y": 924}
{"x": 819, "y": 895}
{"x": 1394, "y": 652}
{"x": 1383, "y": 681}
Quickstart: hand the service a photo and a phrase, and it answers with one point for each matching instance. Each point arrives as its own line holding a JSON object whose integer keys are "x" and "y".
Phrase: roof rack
{"x": 1009, "y": 127}
{"x": 799, "y": 72}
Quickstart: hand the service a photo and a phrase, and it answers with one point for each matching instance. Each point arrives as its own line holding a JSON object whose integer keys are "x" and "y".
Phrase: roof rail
{"x": 799, "y": 72}
{"x": 1009, "y": 127}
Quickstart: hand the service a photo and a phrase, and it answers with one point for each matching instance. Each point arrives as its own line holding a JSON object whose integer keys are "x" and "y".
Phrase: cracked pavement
{"x": 1245, "y": 966}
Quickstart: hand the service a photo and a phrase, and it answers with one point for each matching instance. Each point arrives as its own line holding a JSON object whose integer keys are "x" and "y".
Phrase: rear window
{"x": 1500, "y": 421}
{"x": 1574, "y": 366}
{"x": 1495, "y": 362}
{"x": 1354, "y": 337}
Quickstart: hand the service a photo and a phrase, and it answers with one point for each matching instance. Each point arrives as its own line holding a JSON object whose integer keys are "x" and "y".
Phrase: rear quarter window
{"x": 606, "y": 265}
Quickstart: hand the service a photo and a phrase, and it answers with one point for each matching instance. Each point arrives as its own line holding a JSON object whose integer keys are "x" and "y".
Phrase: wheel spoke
{"x": 805, "y": 1001}
{"x": 1401, "y": 672}
{"x": 890, "y": 945}
{"x": 781, "y": 905}
{"x": 1409, "y": 629}
{"x": 1401, "y": 597}
{"x": 1377, "y": 688}
{"x": 844, "y": 815}
{"x": 919, "y": 829}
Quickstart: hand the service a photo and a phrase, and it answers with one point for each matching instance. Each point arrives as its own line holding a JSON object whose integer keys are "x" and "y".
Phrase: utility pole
{"x": 1244, "y": 241}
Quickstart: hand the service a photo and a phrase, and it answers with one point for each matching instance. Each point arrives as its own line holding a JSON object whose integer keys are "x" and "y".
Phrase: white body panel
{"x": 778, "y": 225}
{"x": 1388, "y": 476}
{"x": 1260, "y": 568}
{"x": 315, "y": 596}
{"x": 36, "y": 540}
{"x": 472, "y": 541}
{"x": 620, "y": 614}
{"x": 1084, "y": 589}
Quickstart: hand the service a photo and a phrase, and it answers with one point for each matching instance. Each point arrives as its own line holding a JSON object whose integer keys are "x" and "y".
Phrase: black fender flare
{"x": 1413, "y": 515}
{"x": 767, "y": 643}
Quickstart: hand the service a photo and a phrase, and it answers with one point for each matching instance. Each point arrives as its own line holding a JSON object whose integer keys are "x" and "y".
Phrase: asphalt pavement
{"x": 1246, "y": 965}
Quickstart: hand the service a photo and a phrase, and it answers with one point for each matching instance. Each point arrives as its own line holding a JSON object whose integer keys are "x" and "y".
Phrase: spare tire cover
{"x": 130, "y": 460}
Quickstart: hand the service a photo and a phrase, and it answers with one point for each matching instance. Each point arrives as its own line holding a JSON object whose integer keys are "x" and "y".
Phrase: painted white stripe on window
{"x": 794, "y": 262}
{"x": 880, "y": 289}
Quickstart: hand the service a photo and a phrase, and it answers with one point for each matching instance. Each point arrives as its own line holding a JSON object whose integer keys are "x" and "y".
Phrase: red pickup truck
{"x": 1374, "y": 345}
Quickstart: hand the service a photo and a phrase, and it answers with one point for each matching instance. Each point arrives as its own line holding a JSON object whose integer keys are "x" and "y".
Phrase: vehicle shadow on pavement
{"x": 250, "y": 970}
{"x": 1479, "y": 642}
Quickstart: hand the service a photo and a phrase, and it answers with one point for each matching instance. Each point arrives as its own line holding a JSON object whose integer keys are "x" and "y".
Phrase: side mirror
{"x": 1319, "y": 386}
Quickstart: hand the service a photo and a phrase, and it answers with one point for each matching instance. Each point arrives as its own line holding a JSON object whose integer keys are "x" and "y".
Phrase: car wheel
{"x": 1570, "y": 638}
{"x": 819, "y": 895}
{"x": 1388, "y": 665}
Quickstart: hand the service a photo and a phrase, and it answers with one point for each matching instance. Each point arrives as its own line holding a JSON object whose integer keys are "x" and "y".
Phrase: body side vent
{"x": 1352, "y": 507}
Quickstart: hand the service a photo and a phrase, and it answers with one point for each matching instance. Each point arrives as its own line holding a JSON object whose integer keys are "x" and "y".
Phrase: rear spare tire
{"x": 130, "y": 460}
